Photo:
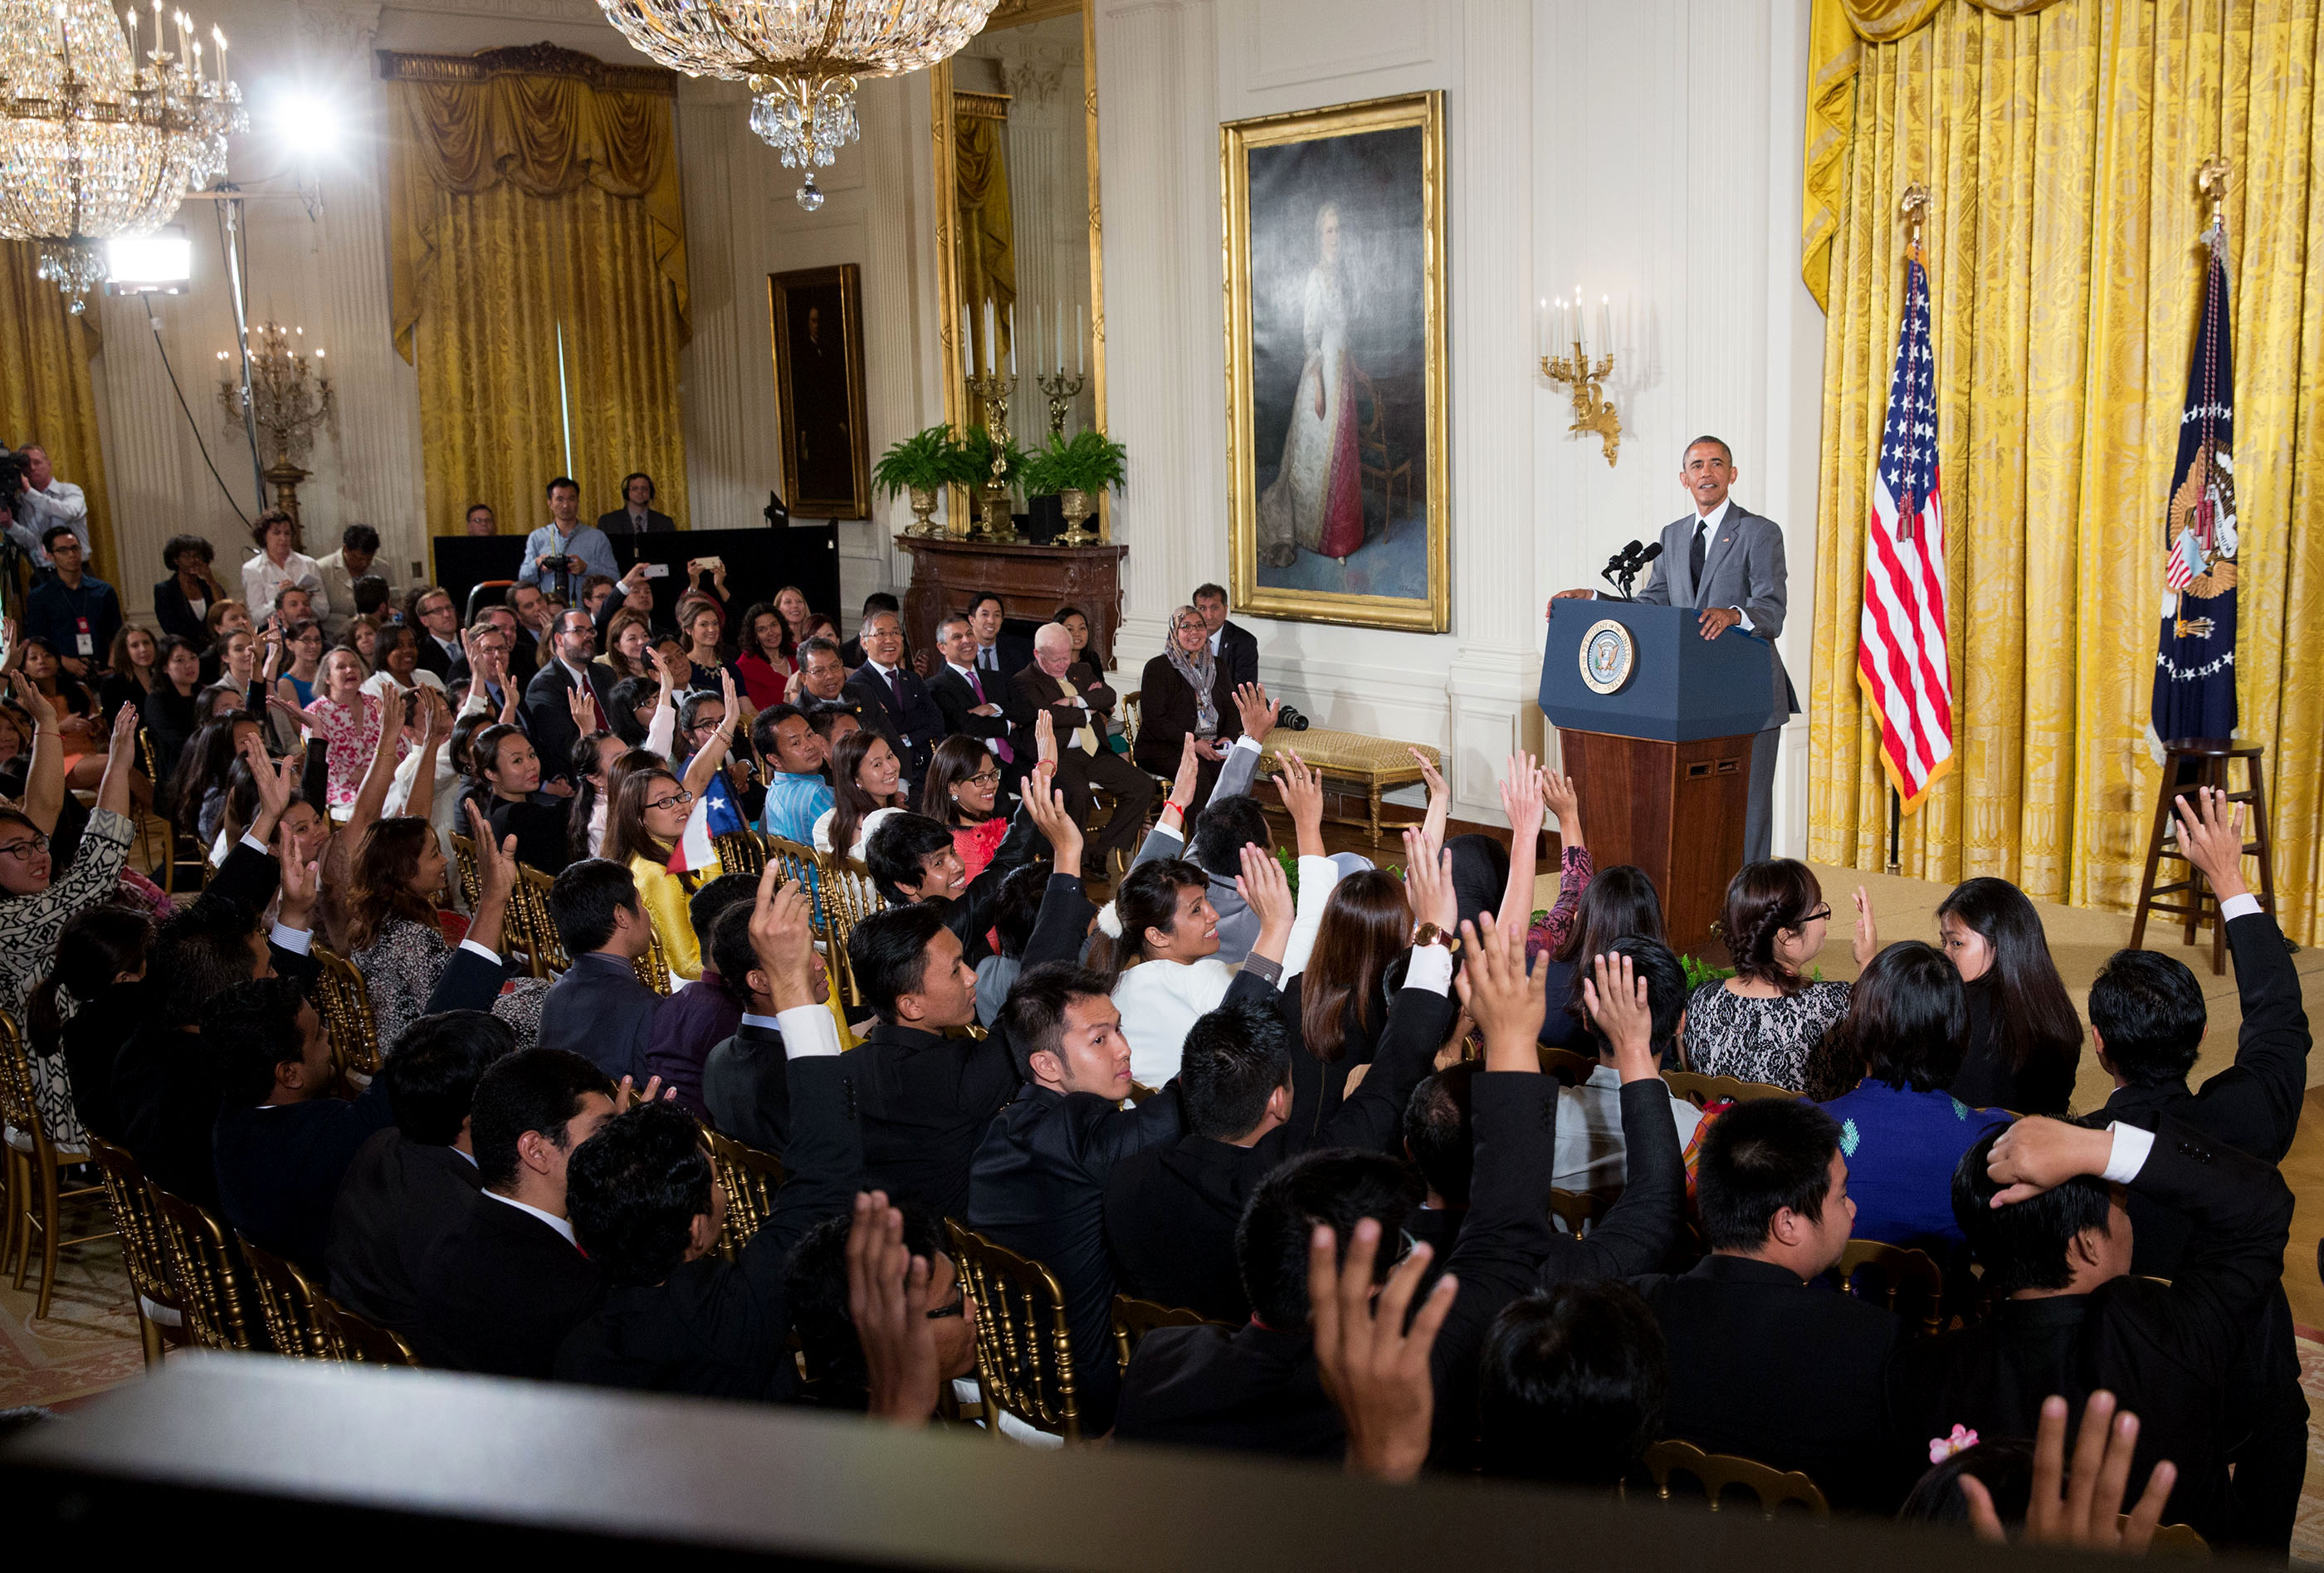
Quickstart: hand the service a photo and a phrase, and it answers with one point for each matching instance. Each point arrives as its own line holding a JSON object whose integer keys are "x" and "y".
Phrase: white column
{"x": 720, "y": 487}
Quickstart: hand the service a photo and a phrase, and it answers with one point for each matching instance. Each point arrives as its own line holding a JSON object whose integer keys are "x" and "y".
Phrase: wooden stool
{"x": 2209, "y": 757}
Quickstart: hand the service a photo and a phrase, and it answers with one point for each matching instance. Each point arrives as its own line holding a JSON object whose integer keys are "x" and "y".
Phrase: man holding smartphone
{"x": 563, "y": 552}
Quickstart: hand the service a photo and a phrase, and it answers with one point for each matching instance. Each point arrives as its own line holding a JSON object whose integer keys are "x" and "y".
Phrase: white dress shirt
{"x": 39, "y": 511}
{"x": 562, "y": 1225}
{"x": 262, "y": 581}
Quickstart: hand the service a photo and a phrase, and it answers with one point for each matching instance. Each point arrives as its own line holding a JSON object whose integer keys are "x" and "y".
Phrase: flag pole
{"x": 1896, "y": 828}
{"x": 1915, "y": 206}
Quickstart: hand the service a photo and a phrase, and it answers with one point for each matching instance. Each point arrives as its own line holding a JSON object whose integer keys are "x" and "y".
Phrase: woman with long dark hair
{"x": 766, "y": 657}
{"x": 592, "y": 765}
{"x": 136, "y": 667}
{"x": 2025, "y": 1040}
{"x": 650, "y": 814}
{"x": 1617, "y": 904}
{"x": 393, "y": 938}
{"x": 1906, "y": 1026}
{"x": 504, "y": 773}
{"x": 171, "y": 711}
{"x": 962, "y": 785}
{"x": 867, "y": 783}
{"x": 1769, "y": 1022}
{"x": 1161, "y": 942}
{"x": 1341, "y": 1000}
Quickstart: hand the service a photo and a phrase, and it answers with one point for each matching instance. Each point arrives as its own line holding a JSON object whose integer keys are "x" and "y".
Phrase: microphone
{"x": 1649, "y": 554}
{"x": 1625, "y": 558}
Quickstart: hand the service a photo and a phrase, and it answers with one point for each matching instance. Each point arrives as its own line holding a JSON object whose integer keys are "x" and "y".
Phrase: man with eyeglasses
{"x": 1078, "y": 701}
{"x": 552, "y": 694}
{"x": 894, "y": 700}
{"x": 971, "y": 698}
{"x": 437, "y": 620}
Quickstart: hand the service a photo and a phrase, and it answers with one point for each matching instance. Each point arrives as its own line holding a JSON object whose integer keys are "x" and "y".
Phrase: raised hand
{"x": 273, "y": 788}
{"x": 1507, "y": 998}
{"x": 1558, "y": 796}
{"x": 1522, "y": 796}
{"x": 1044, "y": 737}
{"x": 1375, "y": 1372}
{"x": 1430, "y": 774}
{"x": 1189, "y": 777}
{"x": 272, "y": 668}
{"x": 121, "y": 747}
{"x": 2082, "y": 1508}
{"x": 578, "y": 704}
{"x": 1302, "y": 790}
{"x": 496, "y": 869}
{"x": 1428, "y": 885}
{"x": 1865, "y": 944}
{"x": 782, "y": 937}
{"x": 1616, "y": 999}
{"x": 2211, "y": 835}
{"x": 887, "y": 1297}
{"x": 36, "y": 703}
{"x": 301, "y": 879}
{"x": 1257, "y": 711}
{"x": 1044, "y": 805}
{"x": 2037, "y": 1153}
{"x": 1268, "y": 895}
{"x": 627, "y": 1096}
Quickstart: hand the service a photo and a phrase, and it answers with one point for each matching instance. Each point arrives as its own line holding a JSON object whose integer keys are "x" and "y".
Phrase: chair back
{"x": 2175, "y": 1540}
{"x": 849, "y": 897}
{"x": 135, "y": 1216}
{"x": 531, "y": 929}
{"x": 346, "y": 1002}
{"x": 20, "y": 1105}
{"x": 1024, "y": 1359}
{"x": 1566, "y": 1066}
{"x": 1132, "y": 710}
{"x": 1702, "y": 1091}
{"x": 797, "y": 860}
{"x": 1874, "y": 1271}
{"x": 750, "y": 1179}
{"x": 1721, "y": 1472}
{"x": 1578, "y": 1210}
{"x": 350, "y": 1338}
{"x": 287, "y": 1299}
{"x": 1133, "y": 1319}
{"x": 463, "y": 863}
{"x": 210, "y": 1289}
{"x": 739, "y": 851}
{"x": 653, "y": 967}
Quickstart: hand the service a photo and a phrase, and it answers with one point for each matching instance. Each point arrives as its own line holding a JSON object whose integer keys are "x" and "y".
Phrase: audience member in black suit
{"x": 598, "y": 1007}
{"x": 926, "y": 1099}
{"x": 913, "y": 858}
{"x": 1185, "y": 692}
{"x": 1076, "y": 701}
{"x": 2069, "y": 1317}
{"x": 973, "y": 702}
{"x": 863, "y": 1288}
{"x": 636, "y": 516}
{"x": 1171, "y": 1213}
{"x": 2147, "y": 1018}
{"x": 851, "y": 651}
{"x": 506, "y": 1283}
{"x": 1760, "y": 1365}
{"x": 1440, "y": 1142}
{"x": 676, "y": 1317}
{"x": 1256, "y": 1387}
{"x": 283, "y": 1140}
{"x": 999, "y": 655}
{"x": 894, "y": 701}
{"x": 1572, "y": 1386}
{"x": 549, "y": 698}
{"x": 746, "y": 1080}
{"x": 407, "y": 1186}
{"x": 188, "y": 557}
{"x": 435, "y": 624}
{"x": 1235, "y": 647}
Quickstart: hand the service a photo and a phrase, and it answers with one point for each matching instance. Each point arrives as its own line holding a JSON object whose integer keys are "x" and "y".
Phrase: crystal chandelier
{"x": 93, "y": 144}
{"x": 801, "y": 58}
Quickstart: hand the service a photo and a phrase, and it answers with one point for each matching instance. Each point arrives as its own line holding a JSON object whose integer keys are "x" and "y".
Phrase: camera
{"x": 1290, "y": 720}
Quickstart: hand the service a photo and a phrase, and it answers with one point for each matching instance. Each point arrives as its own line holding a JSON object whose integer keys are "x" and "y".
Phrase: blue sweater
{"x": 1902, "y": 1147}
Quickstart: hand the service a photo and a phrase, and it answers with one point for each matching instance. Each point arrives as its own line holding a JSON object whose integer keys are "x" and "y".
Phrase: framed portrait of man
{"x": 1336, "y": 363}
{"x": 817, "y": 319}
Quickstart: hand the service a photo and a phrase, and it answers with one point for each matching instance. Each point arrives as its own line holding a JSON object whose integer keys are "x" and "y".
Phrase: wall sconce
{"x": 1592, "y": 411}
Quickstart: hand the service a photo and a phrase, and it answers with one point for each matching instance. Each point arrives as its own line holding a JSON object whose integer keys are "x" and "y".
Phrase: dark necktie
{"x": 896, "y": 682}
{"x": 1000, "y": 748}
{"x": 1694, "y": 557}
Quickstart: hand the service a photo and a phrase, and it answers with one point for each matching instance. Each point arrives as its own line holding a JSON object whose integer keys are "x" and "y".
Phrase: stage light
{"x": 156, "y": 264}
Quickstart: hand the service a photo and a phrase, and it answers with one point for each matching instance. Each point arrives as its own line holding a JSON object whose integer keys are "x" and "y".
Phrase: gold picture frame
{"x": 820, "y": 397}
{"x": 1370, "y": 293}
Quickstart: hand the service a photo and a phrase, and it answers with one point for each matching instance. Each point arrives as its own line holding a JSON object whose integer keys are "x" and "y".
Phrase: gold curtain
{"x": 46, "y": 396}
{"x": 988, "y": 261}
{"x": 533, "y": 196}
{"x": 2060, "y": 150}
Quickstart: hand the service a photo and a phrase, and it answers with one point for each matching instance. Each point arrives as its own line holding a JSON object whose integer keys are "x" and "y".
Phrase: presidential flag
{"x": 714, "y": 815}
{"x": 1901, "y": 654}
{"x": 2195, "y": 658}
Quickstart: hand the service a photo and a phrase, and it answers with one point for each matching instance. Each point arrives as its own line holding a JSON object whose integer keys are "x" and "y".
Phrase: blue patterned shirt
{"x": 794, "y": 803}
{"x": 1901, "y": 1148}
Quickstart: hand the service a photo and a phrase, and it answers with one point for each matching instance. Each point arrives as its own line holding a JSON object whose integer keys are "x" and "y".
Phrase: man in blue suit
{"x": 1727, "y": 562}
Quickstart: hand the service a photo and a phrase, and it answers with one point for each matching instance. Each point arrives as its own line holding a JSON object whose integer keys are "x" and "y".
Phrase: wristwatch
{"x": 1430, "y": 934}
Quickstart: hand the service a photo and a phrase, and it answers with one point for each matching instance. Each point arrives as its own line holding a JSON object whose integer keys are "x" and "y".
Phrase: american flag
{"x": 2195, "y": 655}
{"x": 1901, "y": 660}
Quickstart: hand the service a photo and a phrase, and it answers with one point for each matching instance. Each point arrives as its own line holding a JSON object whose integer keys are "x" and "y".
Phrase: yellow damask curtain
{"x": 46, "y": 396}
{"x": 987, "y": 262}
{"x": 538, "y": 277}
{"x": 2060, "y": 150}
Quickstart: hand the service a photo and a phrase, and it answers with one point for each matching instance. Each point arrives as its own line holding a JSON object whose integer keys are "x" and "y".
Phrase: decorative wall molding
{"x": 527, "y": 60}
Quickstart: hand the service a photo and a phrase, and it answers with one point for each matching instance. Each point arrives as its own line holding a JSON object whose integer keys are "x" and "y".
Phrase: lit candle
{"x": 1080, "y": 357}
{"x": 64, "y": 39}
{"x": 1541, "y": 328}
{"x": 1604, "y": 323}
{"x": 219, "y": 34}
{"x": 1036, "y": 332}
{"x": 1012, "y": 342}
{"x": 989, "y": 336}
{"x": 185, "y": 44}
{"x": 129, "y": 27}
{"x": 1061, "y": 339}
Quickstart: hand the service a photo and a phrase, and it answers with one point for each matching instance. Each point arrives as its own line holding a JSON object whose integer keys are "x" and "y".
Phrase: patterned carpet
{"x": 89, "y": 1340}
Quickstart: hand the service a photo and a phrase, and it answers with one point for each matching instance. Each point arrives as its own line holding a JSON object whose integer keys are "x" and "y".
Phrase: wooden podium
{"x": 1656, "y": 724}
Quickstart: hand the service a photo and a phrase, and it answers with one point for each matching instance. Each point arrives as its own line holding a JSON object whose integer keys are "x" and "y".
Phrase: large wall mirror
{"x": 1015, "y": 117}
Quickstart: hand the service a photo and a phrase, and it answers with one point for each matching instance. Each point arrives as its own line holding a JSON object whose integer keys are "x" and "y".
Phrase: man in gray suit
{"x": 1728, "y": 561}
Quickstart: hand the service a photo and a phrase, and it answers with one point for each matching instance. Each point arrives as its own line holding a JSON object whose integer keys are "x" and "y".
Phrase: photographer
{"x": 564, "y": 552}
{"x": 40, "y": 503}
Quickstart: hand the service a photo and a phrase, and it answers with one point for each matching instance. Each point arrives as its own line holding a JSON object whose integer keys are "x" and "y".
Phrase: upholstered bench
{"x": 1371, "y": 764}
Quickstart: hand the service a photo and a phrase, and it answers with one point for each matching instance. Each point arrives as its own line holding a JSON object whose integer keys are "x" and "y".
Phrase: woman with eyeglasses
{"x": 32, "y": 910}
{"x": 962, "y": 783}
{"x": 1186, "y": 691}
{"x": 650, "y": 814}
{"x": 867, "y": 785}
{"x": 1770, "y": 1023}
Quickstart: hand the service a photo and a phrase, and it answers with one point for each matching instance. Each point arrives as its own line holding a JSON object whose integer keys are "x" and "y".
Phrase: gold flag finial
{"x": 2213, "y": 176}
{"x": 1916, "y": 206}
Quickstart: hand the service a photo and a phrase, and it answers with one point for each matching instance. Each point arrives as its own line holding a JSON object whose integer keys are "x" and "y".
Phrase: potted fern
{"x": 1076, "y": 471}
{"x": 921, "y": 463}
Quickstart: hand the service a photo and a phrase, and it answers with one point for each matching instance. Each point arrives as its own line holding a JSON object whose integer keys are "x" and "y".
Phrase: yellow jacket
{"x": 664, "y": 896}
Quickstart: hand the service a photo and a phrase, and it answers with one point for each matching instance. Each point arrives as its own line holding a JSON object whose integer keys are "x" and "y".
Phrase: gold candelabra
{"x": 290, "y": 398}
{"x": 993, "y": 521}
{"x": 1060, "y": 391}
{"x": 1592, "y": 411}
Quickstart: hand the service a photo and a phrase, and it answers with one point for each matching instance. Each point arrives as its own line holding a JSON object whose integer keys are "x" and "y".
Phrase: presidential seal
{"x": 1609, "y": 656}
